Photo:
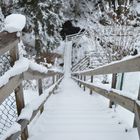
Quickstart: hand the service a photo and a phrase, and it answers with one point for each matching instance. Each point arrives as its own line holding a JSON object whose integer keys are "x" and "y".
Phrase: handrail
{"x": 129, "y": 65}
{"x": 13, "y": 83}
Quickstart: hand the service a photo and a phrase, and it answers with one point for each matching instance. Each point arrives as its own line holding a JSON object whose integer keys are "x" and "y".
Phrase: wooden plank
{"x": 125, "y": 102}
{"x": 7, "y": 42}
{"x": 137, "y": 117}
{"x": 129, "y": 65}
{"x": 113, "y": 85}
{"x": 10, "y": 46}
{"x": 7, "y": 89}
{"x": 40, "y": 90}
{"x": 19, "y": 98}
{"x": 91, "y": 82}
{"x": 84, "y": 80}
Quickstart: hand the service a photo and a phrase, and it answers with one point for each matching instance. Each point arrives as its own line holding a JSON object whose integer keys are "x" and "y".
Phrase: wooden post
{"x": 113, "y": 85}
{"x": 57, "y": 78}
{"x": 78, "y": 78}
{"x": 53, "y": 78}
{"x": 81, "y": 77}
{"x": 40, "y": 90}
{"x": 122, "y": 78}
{"x": 91, "y": 82}
{"x": 18, "y": 91}
{"x": 135, "y": 121}
{"x": 84, "y": 80}
{"x": 137, "y": 117}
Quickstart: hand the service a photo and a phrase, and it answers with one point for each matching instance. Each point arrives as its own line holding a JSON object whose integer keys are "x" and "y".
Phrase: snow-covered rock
{"x": 15, "y": 23}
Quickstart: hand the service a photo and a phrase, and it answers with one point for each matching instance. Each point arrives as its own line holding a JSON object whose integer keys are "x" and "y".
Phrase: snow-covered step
{"x": 86, "y": 136}
{"x": 70, "y": 115}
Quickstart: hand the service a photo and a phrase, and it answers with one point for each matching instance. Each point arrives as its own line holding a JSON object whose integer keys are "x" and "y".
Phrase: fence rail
{"x": 130, "y": 65}
{"x": 9, "y": 42}
{"x": 127, "y": 65}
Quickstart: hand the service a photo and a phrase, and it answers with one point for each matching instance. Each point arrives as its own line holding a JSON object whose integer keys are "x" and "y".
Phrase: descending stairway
{"x": 72, "y": 114}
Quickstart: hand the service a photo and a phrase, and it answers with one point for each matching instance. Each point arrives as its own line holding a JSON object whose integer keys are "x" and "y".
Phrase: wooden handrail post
{"x": 40, "y": 90}
{"x": 137, "y": 117}
{"x": 18, "y": 91}
{"x": 113, "y": 85}
{"x": 91, "y": 82}
{"x": 53, "y": 78}
{"x": 78, "y": 78}
{"x": 135, "y": 121}
{"x": 84, "y": 80}
{"x": 81, "y": 77}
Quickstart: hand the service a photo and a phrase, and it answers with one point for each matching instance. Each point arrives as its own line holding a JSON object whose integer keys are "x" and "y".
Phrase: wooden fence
{"x": 9, "y": 42}
{"x": 128, "y": 65}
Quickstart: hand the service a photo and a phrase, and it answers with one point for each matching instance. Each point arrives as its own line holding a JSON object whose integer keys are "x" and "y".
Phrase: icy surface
{"x": 15, "y": 23}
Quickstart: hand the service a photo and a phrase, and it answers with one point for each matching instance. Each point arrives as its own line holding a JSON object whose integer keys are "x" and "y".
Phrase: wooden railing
{"x": 15, "y": 84}
{"x": 129, "y": 65}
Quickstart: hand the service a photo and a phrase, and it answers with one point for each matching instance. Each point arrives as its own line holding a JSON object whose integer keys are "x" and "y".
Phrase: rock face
{"x": 69, "y": 29}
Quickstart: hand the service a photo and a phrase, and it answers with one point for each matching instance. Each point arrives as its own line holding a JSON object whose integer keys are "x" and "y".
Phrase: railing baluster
{"x": 135, "y": 121}
{"x": 81, "y": 77}
{"x": 91, "y": 82}
{"x": 40, "y": 90}
{"x": 113, "y": 85}
{"x": 18, "y": 91}
{"x": 84, "y": 80}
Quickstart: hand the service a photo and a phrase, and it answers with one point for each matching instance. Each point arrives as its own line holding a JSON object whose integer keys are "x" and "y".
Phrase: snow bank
{"x": 22, "y": 65}
{"x": 15, "y": 23}
{"x": 14, "y": 129}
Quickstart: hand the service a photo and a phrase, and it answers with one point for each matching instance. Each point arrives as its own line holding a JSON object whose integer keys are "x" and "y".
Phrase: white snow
{"x": 15, "y": 128}
{"x": 26, "y": 113}
{"x": 22, "y": 65}
{"x": 15, "y": 23}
